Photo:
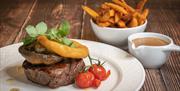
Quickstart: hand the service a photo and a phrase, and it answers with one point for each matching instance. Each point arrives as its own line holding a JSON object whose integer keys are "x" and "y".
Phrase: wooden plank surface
{"x": 164, "y": 18}
{"x": 53, "y": 13}
{"x": 12, "y": 16}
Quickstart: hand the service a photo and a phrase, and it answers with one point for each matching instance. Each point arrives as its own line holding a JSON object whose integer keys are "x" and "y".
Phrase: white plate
{"x": 127, "y": 73}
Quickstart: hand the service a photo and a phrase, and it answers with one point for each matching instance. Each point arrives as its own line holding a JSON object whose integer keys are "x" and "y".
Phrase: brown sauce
{"x": 149, "y": 41}
{"x": 14, "y": 89}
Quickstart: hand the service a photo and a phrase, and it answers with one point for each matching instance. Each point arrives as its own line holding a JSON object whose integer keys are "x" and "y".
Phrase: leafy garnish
{"x": 64, "y": 29}
{"x": 31, "y": 30}
{"x": 66, "y": 41}
{"x": 41, "y": 28}
{"x": 28, "y": 40}
{"x": 56, "y": 34}
{"x": 52, "y": 34}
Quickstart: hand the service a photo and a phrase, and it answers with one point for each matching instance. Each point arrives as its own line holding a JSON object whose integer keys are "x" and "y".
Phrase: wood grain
{"x": 55, "y": 12}
{"x": 164, "y": 18}
{"x": 12, "y": 17}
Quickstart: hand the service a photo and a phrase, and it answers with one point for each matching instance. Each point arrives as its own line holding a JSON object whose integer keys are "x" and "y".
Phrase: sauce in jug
{"x": 149, "y": 41}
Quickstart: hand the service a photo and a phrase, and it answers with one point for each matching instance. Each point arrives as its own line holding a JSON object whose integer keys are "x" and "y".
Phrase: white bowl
{"x": 116, "y": 36}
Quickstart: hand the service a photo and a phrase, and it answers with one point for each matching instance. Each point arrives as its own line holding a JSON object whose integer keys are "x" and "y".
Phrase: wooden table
{"x": 164, "y": 18}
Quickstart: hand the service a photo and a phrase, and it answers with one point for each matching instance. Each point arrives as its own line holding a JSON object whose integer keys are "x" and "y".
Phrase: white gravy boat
{"x": 152, "y": 56}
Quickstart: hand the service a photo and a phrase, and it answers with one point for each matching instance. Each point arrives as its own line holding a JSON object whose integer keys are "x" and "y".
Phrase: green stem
{"x": 90, "y": 59}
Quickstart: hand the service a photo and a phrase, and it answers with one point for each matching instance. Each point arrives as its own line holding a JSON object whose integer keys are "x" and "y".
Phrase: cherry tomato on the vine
{"x": 84, "y": 79}
{"x": 98, "y": 71}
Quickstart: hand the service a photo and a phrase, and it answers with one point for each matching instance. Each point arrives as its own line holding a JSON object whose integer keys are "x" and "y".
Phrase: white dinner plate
{"x": 127, "y": 73}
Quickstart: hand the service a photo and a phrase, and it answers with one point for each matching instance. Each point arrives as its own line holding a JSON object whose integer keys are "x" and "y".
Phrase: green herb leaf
{"x": 52, "y": 34}
{"x": 41, "y": 28}
{"x": 73, "y": 45}
{"x": 28, "y": 40}
{"x": 31, "y": 31}
{"x": 55, "y": 34}
{"x": 64, "y": 28}
{"x": 67, "y": 41}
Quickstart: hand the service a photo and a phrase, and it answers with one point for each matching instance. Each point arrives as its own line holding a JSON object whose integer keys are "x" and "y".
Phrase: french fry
{"x": 121, "y": 24}
{"x": 133, "y": 22}
{"x": 123, "y": 1}
{"x": 104, "y": 6}
{"x": 104, "y": 18}
{"x": 111, "y": 20}
{"x": 126, "y": 18}
{"x": 111, "y": 13}
{"x": 118, "y": 14}
{"x": 129, "y": 8}
{"x": 145, "y": 13}
{"x": 143, "y": 16}
{"x": 136, "y": 14}
{"x": 140, "y": 5}
{"x": 116, "y": 17}
{"x": 90, "y": 11}
{"x": 104, "y": 24}
{"x": 117, "y": 8}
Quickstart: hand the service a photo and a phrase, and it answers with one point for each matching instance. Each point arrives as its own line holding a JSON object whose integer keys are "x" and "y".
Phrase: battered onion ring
{"x": 80, "y": 51}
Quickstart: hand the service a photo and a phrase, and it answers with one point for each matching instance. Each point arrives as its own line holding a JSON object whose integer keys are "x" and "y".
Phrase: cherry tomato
{"x": 98, "y": 71}
{"x": 84, "y": 79}
{"x": 96, "y": 83}
{"x": 107, "y": 74}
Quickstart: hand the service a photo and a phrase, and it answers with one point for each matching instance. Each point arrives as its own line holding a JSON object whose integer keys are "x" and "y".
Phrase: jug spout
{"x": 137, "y": 50}
{"x": 172, "y": 47}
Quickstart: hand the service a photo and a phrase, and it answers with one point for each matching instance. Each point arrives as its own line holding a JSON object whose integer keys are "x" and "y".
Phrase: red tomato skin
{"x": 96, "y": 83}
{"x": 84, "y": 79}
{"x": 108, "y": 74}
{"x": 98, "y": 71}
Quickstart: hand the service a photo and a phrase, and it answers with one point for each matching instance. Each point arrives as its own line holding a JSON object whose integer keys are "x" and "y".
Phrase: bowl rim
{"x": 109, "y": 28}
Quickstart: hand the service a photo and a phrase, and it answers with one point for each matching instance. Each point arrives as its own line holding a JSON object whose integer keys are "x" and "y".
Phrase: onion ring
{"x": 80, "y": 51}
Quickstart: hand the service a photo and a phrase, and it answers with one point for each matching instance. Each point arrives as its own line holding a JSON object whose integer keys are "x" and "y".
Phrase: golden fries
{"x": 123, "y": 4}
{"x": 111, "y": 12}
{"x": 121, "y": 24}
{"x": 90, "y": 11}
{"x": 140, "y": 5}
{"x": 123, "y": 1}
{"x": 111, "y": 20}
{"x": 104, "y": 24}
{"x": 104, "y": 6}
{"x": 118, "y": 14}
{"x": 117, "y": 8}
{"x": 116, "y": 18}
{"x": 143, "y": 16}
{"x": 133, "y": 22}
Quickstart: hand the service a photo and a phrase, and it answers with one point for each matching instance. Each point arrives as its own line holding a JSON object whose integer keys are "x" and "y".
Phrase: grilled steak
{"x": 54, "y": 75}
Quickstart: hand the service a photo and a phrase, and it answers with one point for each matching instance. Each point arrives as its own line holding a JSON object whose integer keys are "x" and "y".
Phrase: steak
{"x": 55, "y": 75}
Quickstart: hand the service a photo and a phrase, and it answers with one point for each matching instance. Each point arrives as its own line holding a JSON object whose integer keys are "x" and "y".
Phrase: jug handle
{"x": 173, "y": 48}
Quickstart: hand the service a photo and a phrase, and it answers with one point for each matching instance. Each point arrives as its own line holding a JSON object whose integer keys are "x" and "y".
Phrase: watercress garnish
{"x": 64, "y": 29}
{"x": 41, "y": 28}
{"x": 56, "y": 34}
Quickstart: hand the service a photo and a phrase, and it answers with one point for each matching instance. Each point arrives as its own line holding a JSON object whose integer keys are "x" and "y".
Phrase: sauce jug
{"x": 151, "y": 56}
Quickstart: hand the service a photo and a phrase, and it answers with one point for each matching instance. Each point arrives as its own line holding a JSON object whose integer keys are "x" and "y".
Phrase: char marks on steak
{"x": 55, "y": 75}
